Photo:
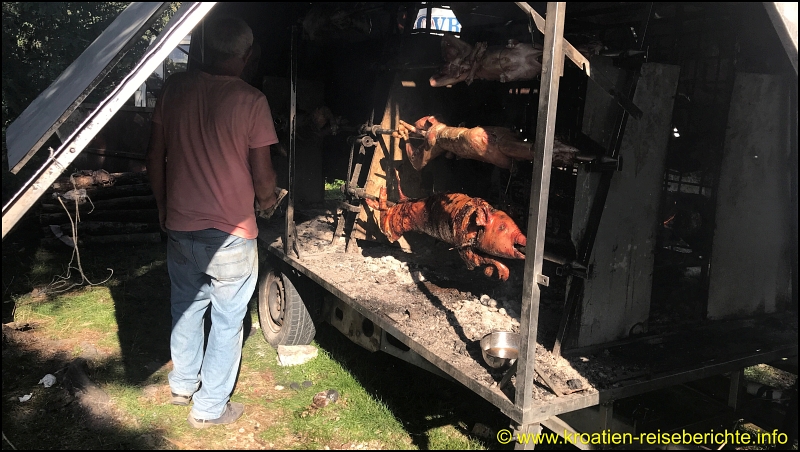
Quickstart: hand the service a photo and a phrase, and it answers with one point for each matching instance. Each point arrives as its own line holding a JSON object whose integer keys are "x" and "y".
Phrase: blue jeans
{"x": 208, "y": 267}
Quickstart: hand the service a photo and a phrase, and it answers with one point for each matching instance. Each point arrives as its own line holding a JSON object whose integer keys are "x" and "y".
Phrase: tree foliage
{"x": 41, "y": 39}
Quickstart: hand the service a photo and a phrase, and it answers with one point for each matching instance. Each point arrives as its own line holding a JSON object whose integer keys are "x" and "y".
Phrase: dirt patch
{"x": 78, "y": 401}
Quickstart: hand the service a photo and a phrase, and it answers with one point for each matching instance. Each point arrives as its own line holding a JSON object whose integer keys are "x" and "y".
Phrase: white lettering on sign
{"x": 442, "y": 20}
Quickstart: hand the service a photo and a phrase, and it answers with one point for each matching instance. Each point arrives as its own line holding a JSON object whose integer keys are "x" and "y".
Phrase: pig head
{"x": 464, "y": 62}
{"x": 500, "y": 235}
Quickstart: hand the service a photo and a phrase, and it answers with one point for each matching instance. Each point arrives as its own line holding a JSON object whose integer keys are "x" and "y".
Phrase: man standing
{"x": 208, "y": 161}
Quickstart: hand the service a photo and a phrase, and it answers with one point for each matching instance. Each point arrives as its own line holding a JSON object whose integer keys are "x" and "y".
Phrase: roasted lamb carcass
{"x": 511, "y": 62}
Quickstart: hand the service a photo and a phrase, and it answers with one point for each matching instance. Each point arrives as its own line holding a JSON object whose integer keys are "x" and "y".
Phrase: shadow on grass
{"x": 417, "y": 398}
{"x": 58, "y": 417}
{"x": 65, "y": 415}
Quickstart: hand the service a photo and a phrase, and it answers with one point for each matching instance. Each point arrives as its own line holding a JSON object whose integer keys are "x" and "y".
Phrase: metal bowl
{"x": 500, "y": 348}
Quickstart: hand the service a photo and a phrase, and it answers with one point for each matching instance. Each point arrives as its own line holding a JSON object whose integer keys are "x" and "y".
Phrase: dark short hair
{"x": 227, "y": 37}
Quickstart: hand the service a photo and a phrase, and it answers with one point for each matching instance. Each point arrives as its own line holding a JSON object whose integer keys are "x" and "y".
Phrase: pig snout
{"x": 501, "y": 237}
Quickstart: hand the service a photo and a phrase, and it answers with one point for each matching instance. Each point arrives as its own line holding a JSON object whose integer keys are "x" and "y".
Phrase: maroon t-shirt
{"x": 210, "y": 123}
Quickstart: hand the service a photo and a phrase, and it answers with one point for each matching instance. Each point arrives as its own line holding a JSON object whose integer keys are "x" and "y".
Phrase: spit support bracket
{"x": 574, "y": 269}
{"x": 365, "y": 141}
{"x": 374, "y": 129}
{"x": 601, "y": 163}
{"x": 583, "y": 63}
{"x": 543, "y": 280}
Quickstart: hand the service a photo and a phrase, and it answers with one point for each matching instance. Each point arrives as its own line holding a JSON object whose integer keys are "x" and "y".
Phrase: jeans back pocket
{"x": 232, "y": 260}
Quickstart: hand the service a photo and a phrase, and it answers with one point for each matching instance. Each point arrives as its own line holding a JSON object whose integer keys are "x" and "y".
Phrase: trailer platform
{"x": 432, "y": 304}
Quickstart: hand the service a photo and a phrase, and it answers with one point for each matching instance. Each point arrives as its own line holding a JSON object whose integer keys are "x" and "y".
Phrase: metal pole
{"x": 552, "y": 66}
{"x": 288, "y": 233}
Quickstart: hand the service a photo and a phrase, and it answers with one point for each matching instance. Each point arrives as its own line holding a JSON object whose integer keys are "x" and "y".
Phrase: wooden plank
{"x": 130, "y": 202}
{"x": 407, "y": 103}
{"x": 751, "y": 251}
{"x": 617, "y": 297}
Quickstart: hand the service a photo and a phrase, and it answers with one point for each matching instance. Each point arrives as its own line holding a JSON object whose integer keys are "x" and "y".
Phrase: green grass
{"x": 127, "y": 318}
{"x": 769, "y": 376}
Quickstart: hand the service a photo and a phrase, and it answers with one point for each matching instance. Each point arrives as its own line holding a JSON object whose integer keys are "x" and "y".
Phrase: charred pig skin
{"x": 464, "y": 62}
{"x": 512, "y": 62}
{"x": 477, "y": 230}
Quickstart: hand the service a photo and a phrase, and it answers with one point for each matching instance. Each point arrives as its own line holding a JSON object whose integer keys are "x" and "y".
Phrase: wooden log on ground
{"x": 107, "y": 228}
{"x": 91, "y": 179}
{"x": 134, "y": 216}
{"x": 149, "y": 237}
{"x": 100, "y": 193}
{"x": 130, "y": 202}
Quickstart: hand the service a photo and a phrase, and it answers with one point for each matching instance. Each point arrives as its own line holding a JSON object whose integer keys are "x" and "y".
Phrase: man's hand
{"x": 272, "y": 206}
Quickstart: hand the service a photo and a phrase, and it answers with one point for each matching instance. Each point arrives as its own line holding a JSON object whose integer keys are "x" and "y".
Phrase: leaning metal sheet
{"x": 54, "y": 105}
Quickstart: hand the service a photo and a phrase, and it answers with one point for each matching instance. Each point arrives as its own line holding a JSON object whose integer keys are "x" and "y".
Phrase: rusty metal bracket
{"x": 374, "y": 129}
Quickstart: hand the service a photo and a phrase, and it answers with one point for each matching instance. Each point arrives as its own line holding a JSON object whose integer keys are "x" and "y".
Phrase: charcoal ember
{"x": 574, "y": 384}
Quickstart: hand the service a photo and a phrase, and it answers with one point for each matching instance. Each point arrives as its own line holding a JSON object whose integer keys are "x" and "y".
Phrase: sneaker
{"x": 180, "y": 400}
{"x": 233, "y": 411}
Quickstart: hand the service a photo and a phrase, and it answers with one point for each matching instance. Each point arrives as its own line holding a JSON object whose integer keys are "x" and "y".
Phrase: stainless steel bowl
{"x": 500, "y": 348}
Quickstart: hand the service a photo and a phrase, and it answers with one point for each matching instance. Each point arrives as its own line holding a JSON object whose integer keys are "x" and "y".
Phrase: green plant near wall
{"x": 333, "y": 190}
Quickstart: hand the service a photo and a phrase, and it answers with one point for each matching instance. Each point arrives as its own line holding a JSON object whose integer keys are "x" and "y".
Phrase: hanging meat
{"x": 477, "y": 230}
{"x": 428, "y": 138}
{"x": 464, "y": 62}
{"x": 514, "y": 61}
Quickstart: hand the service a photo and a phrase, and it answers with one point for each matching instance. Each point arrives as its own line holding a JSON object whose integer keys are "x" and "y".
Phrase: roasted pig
{"x": 477, "y": 230}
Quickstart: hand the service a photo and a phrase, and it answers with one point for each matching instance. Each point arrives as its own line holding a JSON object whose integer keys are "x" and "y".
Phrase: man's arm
{"x": 156, "y": 161}
{"x": 263, "y": 177}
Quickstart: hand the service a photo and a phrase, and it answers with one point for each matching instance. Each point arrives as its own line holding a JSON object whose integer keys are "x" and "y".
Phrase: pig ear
{"x": 482, "y": 214}
{"x": 454, "y": 48}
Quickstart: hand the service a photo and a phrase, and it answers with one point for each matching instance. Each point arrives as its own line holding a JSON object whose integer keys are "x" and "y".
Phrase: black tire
{"x": 282, "y": 315}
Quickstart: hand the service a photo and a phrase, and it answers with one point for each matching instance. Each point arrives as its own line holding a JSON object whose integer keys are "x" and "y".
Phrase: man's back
{"x": 212, "y": 121}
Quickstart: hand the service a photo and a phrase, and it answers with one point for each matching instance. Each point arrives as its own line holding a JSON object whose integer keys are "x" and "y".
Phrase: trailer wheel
{"x": 282, "y": 314}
